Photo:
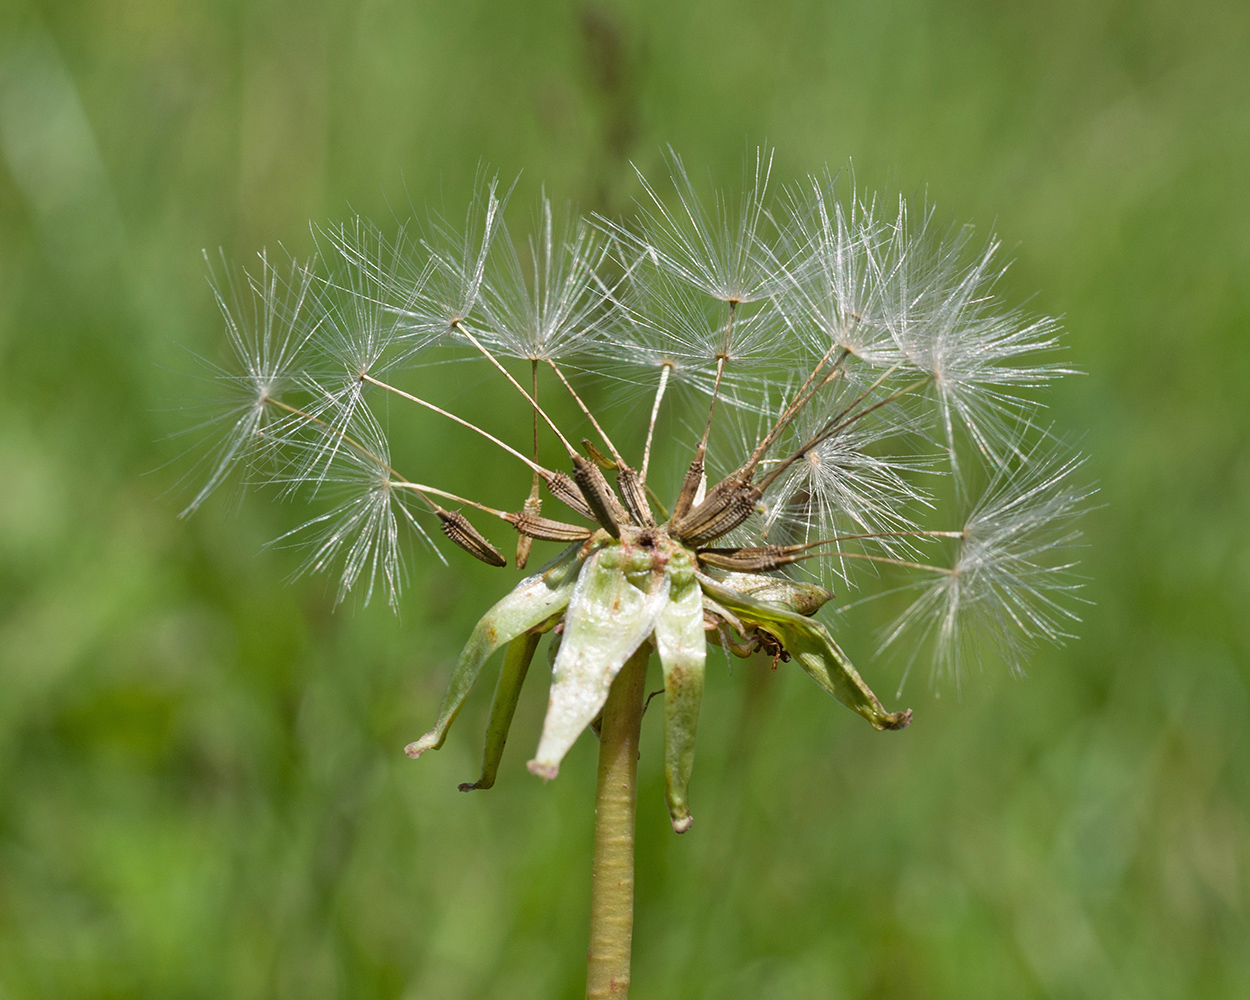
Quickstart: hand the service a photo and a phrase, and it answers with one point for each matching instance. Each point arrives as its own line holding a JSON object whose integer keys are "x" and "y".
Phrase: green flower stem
{"x": 612, "y": 892}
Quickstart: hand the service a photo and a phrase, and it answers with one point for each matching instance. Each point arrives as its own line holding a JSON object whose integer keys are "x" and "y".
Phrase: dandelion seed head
{"x": 825, "y": 357}
{"x": 359, "y": 327}
{"x": 867, "y": 479}
{"x": 947, "y": 323}
{"x": 663, "y": 322}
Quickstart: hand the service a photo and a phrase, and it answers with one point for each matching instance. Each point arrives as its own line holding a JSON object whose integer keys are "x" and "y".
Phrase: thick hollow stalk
{"x": 612, "y": 892}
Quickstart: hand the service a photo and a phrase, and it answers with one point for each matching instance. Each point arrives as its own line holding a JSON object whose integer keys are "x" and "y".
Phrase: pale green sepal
{"x": 614, "y": 607}
{"x": 516, "y": 664}
{"x": 802, "y": 598}
{"x": 535, "y": 599}
{"x": 682, "y": 647}
{"x": 807, "y": 642}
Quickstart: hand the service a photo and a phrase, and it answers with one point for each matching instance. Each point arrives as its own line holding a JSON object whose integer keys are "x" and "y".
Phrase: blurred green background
{"x": 202, "y": 792}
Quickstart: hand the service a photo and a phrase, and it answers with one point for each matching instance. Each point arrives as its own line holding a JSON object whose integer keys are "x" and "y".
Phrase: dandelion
{"x": 851, "y": 482}
{"x": 852, "y": 362}
{"x": 357, "y": 334}
{"x": 948, "y": 324}
{"x": 661, "y": 322}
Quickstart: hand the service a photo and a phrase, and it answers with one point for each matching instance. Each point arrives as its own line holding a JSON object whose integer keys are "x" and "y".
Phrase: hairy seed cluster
{"x": 853, "y": 405}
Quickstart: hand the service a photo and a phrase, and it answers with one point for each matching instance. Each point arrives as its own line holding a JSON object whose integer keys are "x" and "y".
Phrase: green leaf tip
{"x": 811, "y": 646}
{"x": 516, "y": 665}
{"x": 534, "y": 600}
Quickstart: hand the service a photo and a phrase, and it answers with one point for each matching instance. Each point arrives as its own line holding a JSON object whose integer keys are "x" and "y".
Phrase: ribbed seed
{"x": 459, "y": 530}
{"x": 534, "y": 526}
{"x": 757, "y": 558}
{"x": 634, "y": 496}
{"x": 561, "y": 486}
{"x": 598, "y": 495}
{"x": 689, "y": 489}
{"x": 727, "y": 505}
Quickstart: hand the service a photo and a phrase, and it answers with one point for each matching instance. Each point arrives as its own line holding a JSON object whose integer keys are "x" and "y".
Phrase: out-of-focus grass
{"x": 201, "y": 789}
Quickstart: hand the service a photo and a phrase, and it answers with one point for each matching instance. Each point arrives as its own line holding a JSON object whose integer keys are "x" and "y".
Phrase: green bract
{"x": 608, "y": 596}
